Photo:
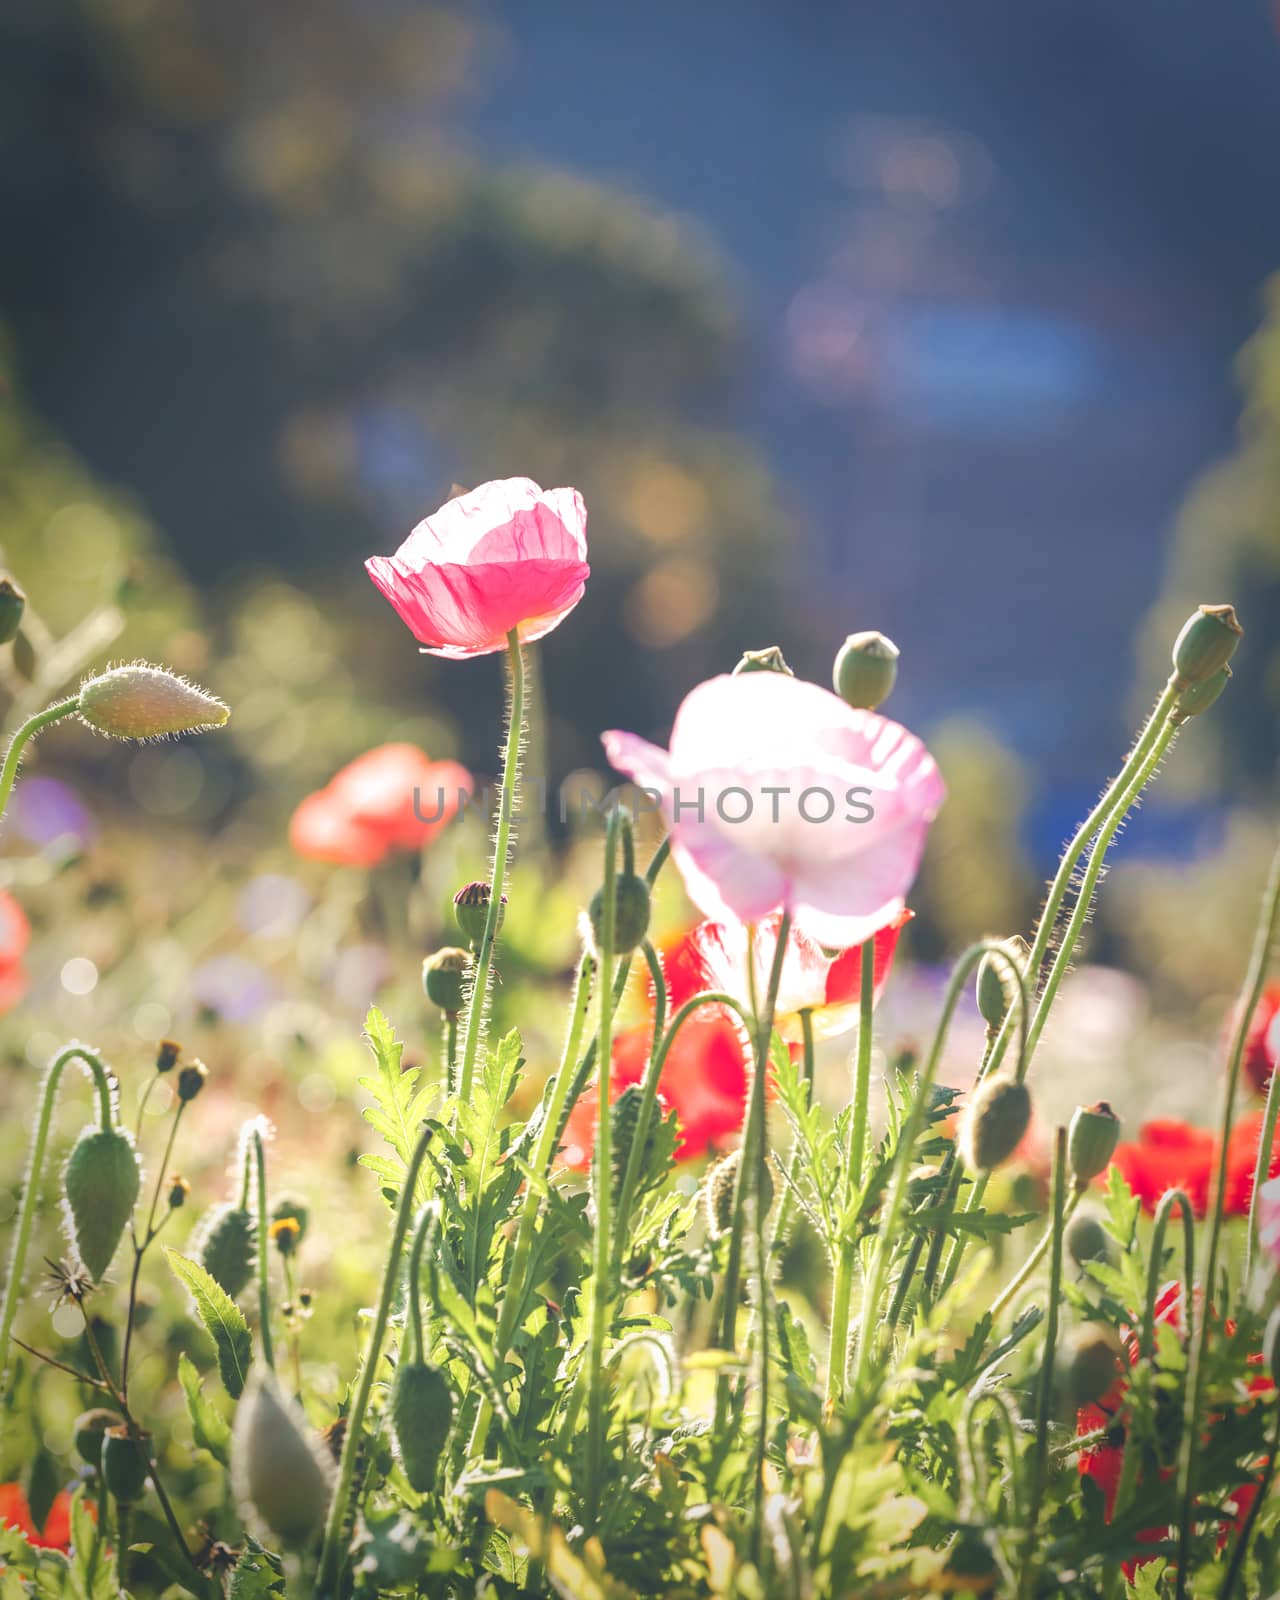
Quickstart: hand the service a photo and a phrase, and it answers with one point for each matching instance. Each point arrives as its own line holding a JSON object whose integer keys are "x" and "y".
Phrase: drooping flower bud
{"x": 444, "y": 979}
{"x": 191, "y": 1080}
{"x": 995, "y": 1123}
{"x": 1094, "y": 1355}
{"x": 179, "y": 1189}
{"x": 719, "y": 1186}
{"x": 226, "y": 1246}
{"x": 1086, "y": 1239}
{"x": 997, "y": 988}
{"x": 630, "y": 913}
{"x": 471, "y": 908}
{"x": 1207, "y": 642}
{"x": 100, "y": 1188}
{"x": 125, "y": 1464}
{"x": 145, "y": 702}
{"x": 12, "y": 604}
{"x": 768, "y": 660}
{"x": 89, "y": 1428}
{"x": 1198, "y": 697}
{"x": 1092, "y": 1140}
{"x": 168, "y": 1053}
{"x": 421, "y": 1415}
{"x": 865, "y": 671}
{"x": 281, "y": 1474}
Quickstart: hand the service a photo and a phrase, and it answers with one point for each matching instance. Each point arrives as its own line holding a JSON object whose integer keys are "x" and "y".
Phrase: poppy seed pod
{"x": 1092, "y": 1140}
{"x": 1198, "y": 697}
{"x": 720, "y": 1183}
{"x": 100, "y": 1188}
{"x": 865, "y": 671}
{"x": 89, "y": 1428}
{"x": 281, "y": 1474}
{"x": 1094, "y": 1354}
{"x": 471, "y": 909}
{"x": 1086, "y": 1239}
{"x": 421, "y": 1416}
{"x": 995, "y": 1123}
{"x": 12, "y": 604}
{"x": 1207, "y": 642}
{"x": 227, "y": 1247}
{"x": 444, "y": 979}
{"x": 770, "y": 659}
{"x": 125, "y": 1465}
{"x": 145, "y": 702}
{"x": 997, "y": 988}
{"x": 630, "y": 913}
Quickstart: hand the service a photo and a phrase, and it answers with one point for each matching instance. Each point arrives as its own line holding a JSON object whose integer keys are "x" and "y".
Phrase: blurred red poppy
{"x": 393, "y": 797}
{"x": 15, "y": 936}
{"x": 1171, "y": 1154}
{"x": 56, "y": 1533}
{"x": 1262, "y": 1042}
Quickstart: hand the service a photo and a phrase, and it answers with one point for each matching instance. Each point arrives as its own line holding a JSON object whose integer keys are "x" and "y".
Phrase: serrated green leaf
{"x": 401, "y": 1103}
{"x": 91, "y": 1575}
{"x": 208, "y": 1428}
{"x": 222, "y": 1318}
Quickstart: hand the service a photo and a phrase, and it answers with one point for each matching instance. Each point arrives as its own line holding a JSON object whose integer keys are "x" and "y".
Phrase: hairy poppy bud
{"x": 995, "y": 1123}
{"x": 719, "y": 1186}
{"x": 167, "y": 1053}
{"x": 125, "y": 1464}
{"x": 630, "y": 912}
{"x": 865, "y": 670}
{"x": 1092, "y": 1141}
{"x": 768, "y": 660}
{"x": 1086, "y": 1239}
{"x": 100, "y": 1188}
{"x": 89, "y": 1428}
{"x": 421, "y": 1415}
{"x": 471, "y": 909}
{"x": 191, "y": 1080}
{"x": 281, "y": 1474}
{"x": 997, "y": 988}
{"x": 1271, "y": 1346}
{"x": 1207, "y": 642}
{"x": 1094, "y": 1355}
{"x": 1198, "y": 697}
{"x": 444, "y": 979}
{"x": 12, "y": 604}
{"x": 624, "y": 1116}
{"x": 179, "y": 1189}
{"x": 145, "y": 702}
{"x": 227, "y": 1247}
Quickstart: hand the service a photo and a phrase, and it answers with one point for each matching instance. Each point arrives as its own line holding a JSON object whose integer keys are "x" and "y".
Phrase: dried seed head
{"x": 168, "y": 1052}
{"x": 145, "y": 702}
{"x": 191, "y": 1080}
{"x": 179, "y": 1189}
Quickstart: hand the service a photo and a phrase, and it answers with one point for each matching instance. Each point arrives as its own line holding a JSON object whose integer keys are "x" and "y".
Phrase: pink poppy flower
{"x": 506, "y": 555}
{"x": 780, "y": 796}
{"x": 1269, "y": 1218}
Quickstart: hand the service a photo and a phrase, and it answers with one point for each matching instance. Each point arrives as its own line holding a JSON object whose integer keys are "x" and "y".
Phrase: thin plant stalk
{"x": 148, "y": 1238}
{"x": 28, "y": 731}
{"x": 259, "y": 1158}
{"x": 1015, "y": 1286}
{"x": 1263, "y": 943}
{"x": 1249, "y": 1004}
{"x": 847, "y": 1250}
{"x": 786, "y": 1204}
{"x": 501, "y": 852}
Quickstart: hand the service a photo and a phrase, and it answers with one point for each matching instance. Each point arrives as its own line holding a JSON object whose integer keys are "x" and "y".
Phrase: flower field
{"x": 441, "y": 1191}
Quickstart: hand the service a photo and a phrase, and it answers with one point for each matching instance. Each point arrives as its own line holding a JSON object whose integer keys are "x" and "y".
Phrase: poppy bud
{"x": 1271, "y": 1346}
{"x": 281, "y": 1474}
{"x": 624, "y": 1116}
{"x": 12, "y": 604}
{"x": 995, "y": 1123}
{"x": 1198, "y": 697}
{"x": 227, "y": 1247}
{"x": 1086, "y": 1239}
{"x": 630, "y": 912}
{"x": 471, "y": 908}
{"x": 421, "y": 1415}
{"x": 444, "y": 979}
{"x": 100, "y": 1188}
{"x": 179, "y": 1189}
{"x": 865, "y": 670}
{"x": 720, "y": 1182}
{"x": 145, "y": 702}
{"x": 1094, "y": 1355}
{"x": 767, "y": 660}
{"x": 996, "y": 986}
{"x": 89, "y": 1428}
{"x": 125, "y": 1464}
{"x": 1207, "y": 642}
{"x": 167, "y": 1054}
{"x": 191, "y": 1080}
{"x": 1092, "y": 1140}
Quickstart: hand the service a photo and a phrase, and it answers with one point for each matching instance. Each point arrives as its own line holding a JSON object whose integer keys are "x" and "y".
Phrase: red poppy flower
{"x": 1170, "y": 1154}
{"x": 1262, "y": 1042}
{"x": 56, "y": 1533}
{"x": 391, "y": 798}
{"x": 15, "y": 936}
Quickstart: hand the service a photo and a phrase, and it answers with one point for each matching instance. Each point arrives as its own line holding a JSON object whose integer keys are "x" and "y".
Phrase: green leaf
{"x": 400, "y": 1105}
{"x": 92, "y": 1577}
{"x": 208, "y": 1428}
{"x": 221, "y": 1316}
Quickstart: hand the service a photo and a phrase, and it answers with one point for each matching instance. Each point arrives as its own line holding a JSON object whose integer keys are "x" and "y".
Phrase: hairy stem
{"x": 28, "y": 731}
{"x": 847, "y": 1248}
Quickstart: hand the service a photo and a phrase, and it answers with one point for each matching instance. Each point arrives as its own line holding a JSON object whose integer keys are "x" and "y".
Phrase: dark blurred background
{"x": 923, "y": 317}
